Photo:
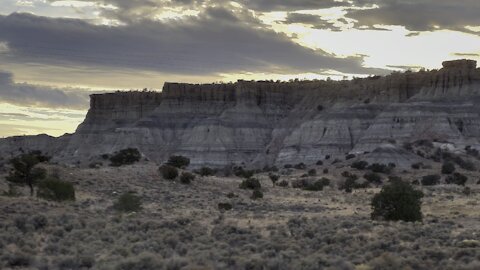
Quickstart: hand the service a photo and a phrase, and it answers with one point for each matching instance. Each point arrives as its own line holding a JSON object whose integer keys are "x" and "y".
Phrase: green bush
{"x": 417, "y": 166}
{"x": 397, "y": 200}
{"x": 457, "y": 179}
{"x": 274, "y": 178}
{"x": 186, "y": 178}
{"x": 319, "y": 163}
{"x": 379, "y": 168}
{"x": 128, "y": 202}
{"x": 349, "y": 156}
{"x": 373, "y": 178}
{"x": 317, "y": 185}
{"x": 256, "y": 194}
{"x": 168, "y": 172}
{"x": 283, "y": 183}
{"x": 206, "y": 171}
{"x": 359, "y": 165}
{"x": 24, "y": 171}
{"x": 300, "y": 166}
{"x": 56, "y": 190}
{"x": 448, "y": 168}
{"x": 225, "y": 206}
{"x": 241, "y": 172}
{"x": 250, "y": 183}
{"x": 125, "y": 157}
{"x": 431, "y": 180}
{"x": 178, "y": 161}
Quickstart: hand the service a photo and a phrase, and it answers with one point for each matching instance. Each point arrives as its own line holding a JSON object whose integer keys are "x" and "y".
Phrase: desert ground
{"x": 181, "y": 226}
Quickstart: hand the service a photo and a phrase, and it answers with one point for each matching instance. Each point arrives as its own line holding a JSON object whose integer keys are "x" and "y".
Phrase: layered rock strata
{"x": 265, "y": 123}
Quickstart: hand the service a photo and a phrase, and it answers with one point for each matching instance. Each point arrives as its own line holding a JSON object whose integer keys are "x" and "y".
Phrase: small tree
{"x": 24, "y": 171}
{"x": 186, "y": 178}
{"x": 178, "y": 161}
{"x": 448, "y": 168}
{"x": 397, "y": 200}
{"x": 250, "y": 183}
{"x": 457, "y": 179}
{"x": 431, "y": 180}
{"x": 359, "y": 165}
{"x": 274, "y": 178}
{"x": 168, "y": 172}
{"x": 56, "y": 190}
{"x": 256, "y": 194}
{"x": 125, "y": 157}
{"x": 128, "y": 202}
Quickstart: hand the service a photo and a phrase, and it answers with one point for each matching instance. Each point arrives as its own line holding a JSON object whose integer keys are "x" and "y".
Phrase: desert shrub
{"x": 17, "y": 260}
{"x": 125, "y": 157}
{"x": 348, "y": 174}
{"x": 457, "y": 179}
{"x": 142, "y": 262}
{"x": 206, "y": 171}
{"x": 178, "y": 161}
{"x": 300, "y": 166}
{"x": 394, "y": 178}
{"x": 335, "y": 161}
{"x": 168, "y": 172}
{"x": 287, "y": 166}
{"x": 319, "y": 163}
{"x": 320, "y": 107}
{"x": 225, "y": 206}
{"x": 39, "y": 222}
{"x": 397, "y": 200}
{"x": 187, "y": 178}
{"x": 417, "y": 166}
{"x": 250, "y": 183}
{"x": 351, "y": 183}
{"x": 256, "y": 194}
{"x": 431, "y": 180}
{"x": 283, "y": 183}
{"x": 448, "y": 168}
{"x": 312, "y": 172}
{"x": 373, "y": 178}
{"x": 300, "y": 183}
{"x": 327, "y": 157}
{"x": 56, "y": 190}
{"x": 359, "y": 165}
{"x": 128, "y": 202}
{"x": 274, "y": 178}
{"x": 24, "y": 171}
{"x": 325, "y": 171}
{"x": 379, "y": 168}
{"x": 317, "y": 185}
{"x": 95, "y": 165}
{"x": 241, "y": 172}
{"x": 349, "y": 156}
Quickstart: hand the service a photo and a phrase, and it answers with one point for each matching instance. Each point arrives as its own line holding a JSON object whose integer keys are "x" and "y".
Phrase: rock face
{"x": 265, "y": 123}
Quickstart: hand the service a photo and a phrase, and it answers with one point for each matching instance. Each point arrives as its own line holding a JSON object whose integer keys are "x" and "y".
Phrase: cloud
{"x": 218, "y": 40}
{"x": 28, "y": 94}
{"x": 315, "y": 21}
{"x": 419, "y": 15}
{"x": 291, "y": 5}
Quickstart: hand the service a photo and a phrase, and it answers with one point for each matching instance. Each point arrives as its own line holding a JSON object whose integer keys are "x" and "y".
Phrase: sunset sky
{"x": 53, "y": 54}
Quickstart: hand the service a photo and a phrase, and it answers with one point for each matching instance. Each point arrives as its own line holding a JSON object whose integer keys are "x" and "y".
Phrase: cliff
{"x": 260, "y": 123}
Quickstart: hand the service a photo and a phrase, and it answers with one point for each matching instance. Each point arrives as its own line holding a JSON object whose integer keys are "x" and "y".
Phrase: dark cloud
{"x": 419, "y": 15}
{"x": 291, "y": 5}
{"x": 28, "y": 94}
{"x": 314, "y": 21}
{"x": 211, "y": 43}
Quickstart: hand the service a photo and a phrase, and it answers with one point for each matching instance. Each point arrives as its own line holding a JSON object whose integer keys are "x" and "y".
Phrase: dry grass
{"x": 180, "y": 226}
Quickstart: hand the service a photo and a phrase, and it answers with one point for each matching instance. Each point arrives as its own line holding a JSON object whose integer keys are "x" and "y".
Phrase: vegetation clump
{"x": 250, "y": 183}
{"x": 373, "y": 178}
{"x": 317, "y": 185}
{"x": 125, "y": 157}
{"x": 380, "y": 168}
{"x": 186, "y": 178}
{"x": 256, "y": 194}
{"x": 457, "y": 179}
{"x": 178, "y": 161}
{"x": 24, "y": 171}
{"x": 300, "y": 166}
{"x": 206, "y": 171}
{"x": 274, "y": 178}
{"x": 359, "y": 165}
{"x": 397, "y": 200}
{"x": 128, "y": 202}
{"x": 241, "y": 172}
{"x": 225, "y": 206}
{"x": 168, "y": 172}
{"x": 56, "y": 190}
{"x": 448, "y": 168}
{"x": 431, "y": 180}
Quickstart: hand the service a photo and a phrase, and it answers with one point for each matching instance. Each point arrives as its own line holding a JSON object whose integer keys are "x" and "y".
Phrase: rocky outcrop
{"x": 259, "y": 123}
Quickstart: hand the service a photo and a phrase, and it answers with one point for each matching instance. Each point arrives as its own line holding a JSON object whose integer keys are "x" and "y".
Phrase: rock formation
{"x": 264, "y": 123}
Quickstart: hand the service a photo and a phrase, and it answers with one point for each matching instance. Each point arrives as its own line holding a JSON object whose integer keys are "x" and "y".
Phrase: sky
{"x": 54, "y": 54}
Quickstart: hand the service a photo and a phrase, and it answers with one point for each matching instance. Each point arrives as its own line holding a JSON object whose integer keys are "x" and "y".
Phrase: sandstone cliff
{"x": 260, "y": 123}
